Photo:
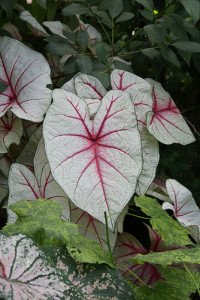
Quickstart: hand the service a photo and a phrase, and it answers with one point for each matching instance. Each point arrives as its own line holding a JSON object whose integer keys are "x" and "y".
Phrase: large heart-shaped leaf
{"x": 92, "y": 228}
{"x": 138, "y": 88}
{"x": 24, "y": 185}
{"x": 10, "y": 131}
{"x": 184, "y": 206}
{"x": 96, "y": 162}
{"x": 165, "y": 121}
{"x": 27, "y": 74}
{"x": 25, "y": 272}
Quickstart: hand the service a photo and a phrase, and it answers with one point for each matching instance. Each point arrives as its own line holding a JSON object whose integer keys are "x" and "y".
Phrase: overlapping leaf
{"x": 10, "y": 131}
{"x": 37, "y": 29}
{"x": 24, "y": 185}
{"x": 97, "y": 161}
{"x": 27, "y": 74}
{"x": 184, "y": 207}
{"x": 165, "y": 121}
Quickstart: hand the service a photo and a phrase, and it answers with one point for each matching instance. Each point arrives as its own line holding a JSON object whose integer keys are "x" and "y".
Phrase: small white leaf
{"x": 10, "y": 131}
{"x": 96, "y": 162}
{"x": 55, "y": 27}
{"x": 91, "y": 90}
{"x": 184, "y": 207}
{"x": 165, "y": 121}
{"x": 37, "y": 28}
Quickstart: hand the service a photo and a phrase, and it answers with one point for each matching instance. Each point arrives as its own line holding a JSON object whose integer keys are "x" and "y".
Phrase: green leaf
{"x": 42, "y": 3}
{"x": 75, "y": 8}
{"x": 179, "y": 256}
{"x": 170, "y": 56}
{"x": 177, "y": 284}
{"x": 193, "y": 9}
{"x": 83, "y": 39}
{"x": 90, "y": 281}
{"x": 147, "y": 14}
{"x": 170, "y": 230}
{"x": 125, "y": 16}
{"x": 7, "y": 5}
{"x": 3, "y": 86}
{"x": 156, "y": 33}
{"x": 116, "y": 8}
{"x": 191, "y": 47}
{"x": 150, "y": 52}
{"x": 84, "y": 64}
{"x": 101, "y": 53}
{"x": 60, "y": 49}
{"x": 148, "y": 4}
{"x": 41, "y": 221}
{"x": 105, "y": 18}
{"x": 51, "y": 9}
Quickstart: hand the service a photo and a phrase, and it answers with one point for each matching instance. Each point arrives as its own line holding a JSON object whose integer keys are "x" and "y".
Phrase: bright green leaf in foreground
{"x": 170, "y": 230}
{"x": 177, "y": 284}
{"x": 41, "y": 221}
{"x": 190, "y": 256}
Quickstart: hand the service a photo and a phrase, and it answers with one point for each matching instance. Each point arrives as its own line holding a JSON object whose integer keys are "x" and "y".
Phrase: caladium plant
{"x": 183, "y": 204}
{"x": 23, "y": 184}
{"x": 26, "y": 75}
{"x": 96, "y": 162}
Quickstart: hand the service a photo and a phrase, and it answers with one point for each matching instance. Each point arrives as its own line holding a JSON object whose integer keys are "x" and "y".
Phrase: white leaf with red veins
{"x": 165, "y": 121}
{"x": 91, "y": 90}
{"x": 126, "y": 247}
{"x": 93, "y": 33}
{"x": 25, "y": 272}
{"x": 10, "y": 131}
{"x": 92, "y": 228}
{"x": 138, "y": 88}
{"x": 26, "y": 156}
{"x": 23, "y": 184}
{"x": 38, "y": 30}
{"x": 27, "y": 74}
{"x": 97, "y": 161}
{"x": 184, "y": 206}
{"x": 150, "y": 153}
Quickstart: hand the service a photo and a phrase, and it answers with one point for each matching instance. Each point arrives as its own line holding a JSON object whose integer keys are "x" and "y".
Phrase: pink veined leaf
{"x": 27, "y": 74}
{"x": 150, "y": 153}
{"x": 25, "y": 272}
{"x": 138, "y": 88}
{"x": 91, "y": 227}
{"x": 13, "y": 30}
{"x": 158, "y": 189}
{"x": 69, "y": 86}
{"x": 165, "y": 121}
{"x": 91, "y": 90}
{"x": 10, "y": 131}
{"x": 184, "y": 206}
{"x": 97, "y": 161}
{"x": 126, "y": 247}
{"x": 23, "y": 184}
{"x": 37, "y": 29}
{"x": 26, "y": 156}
